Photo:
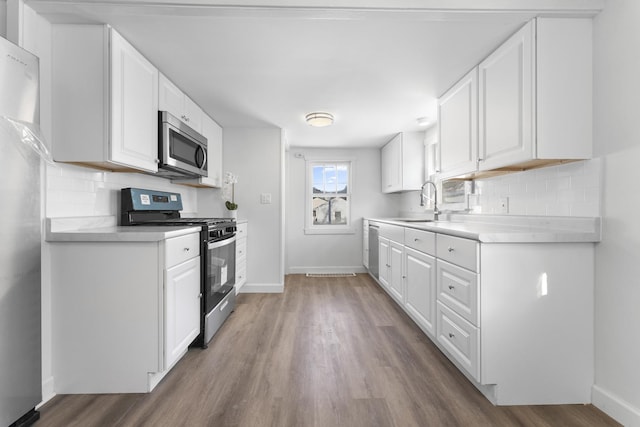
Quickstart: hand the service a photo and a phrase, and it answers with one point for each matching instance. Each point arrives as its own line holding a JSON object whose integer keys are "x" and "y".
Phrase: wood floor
{"x": 328, "y": 352}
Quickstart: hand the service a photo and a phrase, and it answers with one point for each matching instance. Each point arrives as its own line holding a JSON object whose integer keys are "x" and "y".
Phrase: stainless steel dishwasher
{"x": 373, "y": 250}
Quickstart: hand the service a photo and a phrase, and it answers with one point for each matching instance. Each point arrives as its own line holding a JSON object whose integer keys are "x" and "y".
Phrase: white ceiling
{"x": 376, "y": 65}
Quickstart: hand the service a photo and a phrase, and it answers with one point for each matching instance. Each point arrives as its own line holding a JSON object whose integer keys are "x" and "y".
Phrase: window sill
{"x": 330, "y": 230}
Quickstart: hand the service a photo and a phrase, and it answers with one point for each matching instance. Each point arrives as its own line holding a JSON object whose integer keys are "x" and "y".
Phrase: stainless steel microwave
{"x": 181, "y": 150}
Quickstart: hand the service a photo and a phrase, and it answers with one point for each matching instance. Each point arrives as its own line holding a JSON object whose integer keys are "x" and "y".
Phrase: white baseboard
{"x": 47, "y": 391}
{"x": 617, "y": 408}
{"x": 262, "y": 288}
{"x": 327, "y": 270}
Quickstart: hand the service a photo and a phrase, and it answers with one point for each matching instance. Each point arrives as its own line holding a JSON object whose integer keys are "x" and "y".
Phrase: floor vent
{"x": 331, "y": 274}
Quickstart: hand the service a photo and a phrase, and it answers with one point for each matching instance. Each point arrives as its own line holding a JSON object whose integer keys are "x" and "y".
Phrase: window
{"x": 328, "y": 197}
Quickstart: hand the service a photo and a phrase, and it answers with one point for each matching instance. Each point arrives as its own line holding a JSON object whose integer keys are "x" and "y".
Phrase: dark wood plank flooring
{"x": 327, "y": 352}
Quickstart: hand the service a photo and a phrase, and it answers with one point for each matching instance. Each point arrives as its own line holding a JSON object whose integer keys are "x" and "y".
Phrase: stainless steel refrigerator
{"x": 20, "y": 228}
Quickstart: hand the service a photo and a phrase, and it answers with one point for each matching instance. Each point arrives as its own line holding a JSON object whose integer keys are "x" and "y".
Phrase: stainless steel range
{"x": 139, "y": 207}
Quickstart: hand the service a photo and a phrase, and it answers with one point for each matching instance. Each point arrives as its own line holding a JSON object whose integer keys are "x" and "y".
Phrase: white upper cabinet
{"x": 534, "y": 102}
{"x": 506, "y": 127}
{"x": 105, "y": 96}
{"x": 173, "y": 100}
{"x": 213, "y": 132}
{"x": 458, "y": 127}
{"x": 402, "y": 162}
{"x": 134, "y": 94}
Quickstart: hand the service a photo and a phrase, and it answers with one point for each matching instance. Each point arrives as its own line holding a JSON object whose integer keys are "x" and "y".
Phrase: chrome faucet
{"x": 436, "y": 212}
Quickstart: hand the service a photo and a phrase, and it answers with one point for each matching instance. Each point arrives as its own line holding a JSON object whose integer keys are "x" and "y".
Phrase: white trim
{"x": 262, "y": 288}
{"x": 614, "y": 406}
{"x": 283, "y": 203}
{"x": 48, "y": 392}
{"x": 336, "y": 229}
{"x": 327, "y": 270}
{"x": 308, "y": 195}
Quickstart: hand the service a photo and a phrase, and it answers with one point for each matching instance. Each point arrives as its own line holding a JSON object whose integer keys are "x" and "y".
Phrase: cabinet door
{"x": 213, "y": 132}
{"x": 193, "y": 114}
{"x": 391, "y": 158}
{"x": 396, "y": 272}
{"x": 383, "y": 261}
{"x": 420, "y": 296}
{"x": 182, "y": 308}
{"x": 458, "y": 130}
{"x": 134, "y": 107}
{"x": 170, "y": 97}
{"x": 507, "y": 86}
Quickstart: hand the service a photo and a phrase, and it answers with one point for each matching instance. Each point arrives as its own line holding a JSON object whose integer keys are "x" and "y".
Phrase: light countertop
{"x": 104, "y": 229}
{"x": 509, "y": 228}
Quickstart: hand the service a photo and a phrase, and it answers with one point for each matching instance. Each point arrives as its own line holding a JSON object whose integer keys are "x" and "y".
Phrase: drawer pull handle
{"x": 451, "y": 335}
{"x": 186, "y": 249}
{"x": 450, "y": 249}
{"x": 451, "y": 287}
{"x": 200, "y": 296}
{"x": 416, "y": 239}
{"x": 223, "y": 306}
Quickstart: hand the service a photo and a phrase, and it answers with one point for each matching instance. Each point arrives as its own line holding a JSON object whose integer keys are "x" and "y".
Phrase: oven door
{"x": 221, "y": 271}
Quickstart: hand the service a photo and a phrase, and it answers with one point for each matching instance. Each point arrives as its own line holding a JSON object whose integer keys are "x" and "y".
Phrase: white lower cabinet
{"x": 460, "y": 338}
{"x": 241, "y": 255}
{"x": 182, "y": 311}
{"x": 396, "y": 270}
{"x": 123, "y": 312}
{"x": 383, "y": 261}
{"x": 390, "y": 258}
{"x": 420, "y": 292}
{"x": 515, "y": 318}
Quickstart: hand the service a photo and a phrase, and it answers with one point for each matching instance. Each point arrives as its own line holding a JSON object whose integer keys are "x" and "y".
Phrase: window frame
{"x": 310, "y": 227}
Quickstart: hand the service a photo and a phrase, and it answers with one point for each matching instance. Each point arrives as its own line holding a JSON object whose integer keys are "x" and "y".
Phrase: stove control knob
{"x": 215, "y": 234}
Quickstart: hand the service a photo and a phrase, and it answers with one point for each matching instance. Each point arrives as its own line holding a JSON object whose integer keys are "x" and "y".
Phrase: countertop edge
{"x": 120, "y": 234}
{"x": 508, "y": 234}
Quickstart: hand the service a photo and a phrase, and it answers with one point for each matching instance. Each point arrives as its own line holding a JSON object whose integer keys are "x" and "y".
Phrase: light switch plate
{"x": 265, "y": 198}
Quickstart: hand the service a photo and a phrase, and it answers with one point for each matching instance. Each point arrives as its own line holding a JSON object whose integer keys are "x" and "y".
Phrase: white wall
{"x": 256, "y": 157}
{"x": 341, "y": 252}
{"x": 617, "y": 141}
{"x": 3, "y": 18}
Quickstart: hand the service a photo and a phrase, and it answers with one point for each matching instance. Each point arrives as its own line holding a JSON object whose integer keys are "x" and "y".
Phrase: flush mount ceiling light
{"x": 423, "y": 121}
{"x": 319, "y": 119}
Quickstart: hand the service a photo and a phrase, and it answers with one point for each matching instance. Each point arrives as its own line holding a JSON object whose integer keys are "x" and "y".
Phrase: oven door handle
{"x": 220, "y": 243}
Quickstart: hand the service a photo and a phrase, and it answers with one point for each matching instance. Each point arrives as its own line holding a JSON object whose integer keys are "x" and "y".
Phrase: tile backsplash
{"x": 74, "y": 191}
{"x": 571, "y": 189}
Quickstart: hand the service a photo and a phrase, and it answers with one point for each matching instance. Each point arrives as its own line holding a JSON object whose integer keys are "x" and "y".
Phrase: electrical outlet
{"x": 504, "y": 205}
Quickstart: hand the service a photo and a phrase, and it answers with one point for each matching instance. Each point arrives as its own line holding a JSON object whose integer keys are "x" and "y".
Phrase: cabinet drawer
{"x": 180, "y": 249}
{"x": 458, "y": 289}
{"x": 392, "y": 232}
{"x": 460, "y": 339}
{"x": 241, "y": 274}
{"x": 241, "y": 230}
{"x": 241, "y": 248}
{"x": 423, "y": 241}
{"x": 459, "y": 251}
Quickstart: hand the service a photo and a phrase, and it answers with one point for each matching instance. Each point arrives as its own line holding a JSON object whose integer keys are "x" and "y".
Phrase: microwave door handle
{"x": 220, "y": 243}
{"x": 204, "y": 155}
